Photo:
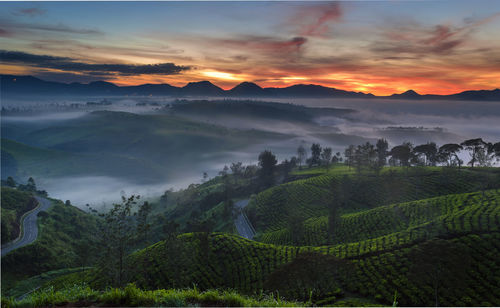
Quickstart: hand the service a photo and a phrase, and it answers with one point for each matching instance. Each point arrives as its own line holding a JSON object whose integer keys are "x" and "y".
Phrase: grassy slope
{"x": 14, "y": 204}
{"x": 236, "y": 263}
{"x": 56, "y": 247}
{"x": 310, "y": 197}
{"x": 378, "y": 243}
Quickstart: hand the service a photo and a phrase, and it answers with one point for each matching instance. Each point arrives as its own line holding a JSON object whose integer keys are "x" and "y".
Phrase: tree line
{"x": 374, "y": 157}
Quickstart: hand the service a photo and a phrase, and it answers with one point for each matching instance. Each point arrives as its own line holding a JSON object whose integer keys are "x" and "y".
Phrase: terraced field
{"x": 407, "y": 221}
{"x": 311, "y": 198}
{"x": 244, "y": 265}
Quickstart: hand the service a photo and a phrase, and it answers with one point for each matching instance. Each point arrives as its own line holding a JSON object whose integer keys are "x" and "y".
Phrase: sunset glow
{"x": 440, "y": 47}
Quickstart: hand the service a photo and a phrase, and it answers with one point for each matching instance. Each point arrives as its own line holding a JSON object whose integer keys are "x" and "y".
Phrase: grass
{"x": 28, "y": 285}
{"x": 131, "y": 296}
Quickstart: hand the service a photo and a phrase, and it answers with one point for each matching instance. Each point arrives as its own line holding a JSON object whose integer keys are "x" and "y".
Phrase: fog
{"x": 438, "y": 121}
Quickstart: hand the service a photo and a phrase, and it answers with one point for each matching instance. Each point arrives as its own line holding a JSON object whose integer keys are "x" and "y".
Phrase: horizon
{"x": 250, "y": 82}
{"x": 382, "y": 48}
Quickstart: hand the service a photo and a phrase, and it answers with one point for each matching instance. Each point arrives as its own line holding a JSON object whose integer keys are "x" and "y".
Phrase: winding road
{"x": 243, "y": 225}
{"x": 30, "y": 227}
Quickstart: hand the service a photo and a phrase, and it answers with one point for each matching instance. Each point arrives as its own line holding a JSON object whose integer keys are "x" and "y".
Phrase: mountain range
{"x": 13, "y": 86}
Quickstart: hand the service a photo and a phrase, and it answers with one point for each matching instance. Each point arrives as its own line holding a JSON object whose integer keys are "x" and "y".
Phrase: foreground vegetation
{"x": 131, "y": 296}
{"x": 327, "y": 234}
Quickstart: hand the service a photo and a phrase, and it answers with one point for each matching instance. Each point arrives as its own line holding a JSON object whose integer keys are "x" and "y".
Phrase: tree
{"x": 117, "y": 235}
{"x": 402, "y": 153}
{"x": 430, "y": 152}
{"x": 474, "y": 146}
{"x": 267, "y": 163}
{"x": 349, "y": 155}
{"x": 315, "y": 155}
{"x": 382, "y": 147}
{"x": 448, "y": 153}
{"x": 143, "y": 225}
{"x": 205, "y": 176}
{"x": 237, "y": 169}
{"x": 67, "y": 203}
{"x": 326, "y": 157}
{"x": 10, "y": 182}
{"x": 301, "y": 155}
{"x": 31, "y": 186}
{"x": 495, "y": 149}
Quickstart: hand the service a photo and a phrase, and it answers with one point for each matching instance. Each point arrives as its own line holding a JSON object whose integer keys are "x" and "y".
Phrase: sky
{"x": 379, "y": 47}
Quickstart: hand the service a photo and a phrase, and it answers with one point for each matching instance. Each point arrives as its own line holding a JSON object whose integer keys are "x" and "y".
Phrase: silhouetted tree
{"x": 315, "y": 159}
{"x": 402, "y": 153}
{"x": 267, "y": 163}
{"x": 430, "y": 152}
{"x": 301, "y": 155}
{"x": 326, "y": 157}
{"x": 382, "y": 147}
{"x": 67, "y": 203}
{"x": 473, "y": 146}
{"x": 448, "y": 153}
{"x": 349, "y": 155}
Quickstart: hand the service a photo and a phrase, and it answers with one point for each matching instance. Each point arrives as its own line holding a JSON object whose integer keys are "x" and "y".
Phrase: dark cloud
{"x": 31, "y": 11}
{"x": 68, "y": 64}
{"x": 15, "y": 26}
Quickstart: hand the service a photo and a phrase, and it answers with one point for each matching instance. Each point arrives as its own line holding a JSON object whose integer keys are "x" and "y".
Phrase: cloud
{"x": 5, "y": 33}
{"x": 265, "y": 44}
{"x": 31, "y": 11}
{"x": 314, "y": 20}
{"x": 71, "y": 65}
{"x": 59, "y": 28}
{"x": 416, "y": 39}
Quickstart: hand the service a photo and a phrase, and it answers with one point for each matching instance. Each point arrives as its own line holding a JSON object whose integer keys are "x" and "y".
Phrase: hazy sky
{"x": 380, "y": 47}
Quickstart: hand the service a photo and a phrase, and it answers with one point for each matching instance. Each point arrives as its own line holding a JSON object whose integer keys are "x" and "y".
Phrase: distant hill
{"x": 14, "y": 86}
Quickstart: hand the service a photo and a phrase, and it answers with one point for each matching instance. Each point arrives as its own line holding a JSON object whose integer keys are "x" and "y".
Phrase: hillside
{"x": 139, "y": 148}
{"x": 14, "y": 204}
{"x": 439, "y": 217}
{"x": 228, "y": 261}
{"x": 63, "y": 233}
{"x": 312, "y": 197}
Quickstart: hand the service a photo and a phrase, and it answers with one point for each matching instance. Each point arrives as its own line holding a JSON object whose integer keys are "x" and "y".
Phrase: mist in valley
{"x": 397, "y": 121}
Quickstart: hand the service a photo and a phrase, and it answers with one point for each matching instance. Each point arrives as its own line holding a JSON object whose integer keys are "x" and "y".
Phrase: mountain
{"x": 202, "y": 88}
{"x": 247, "y": 89}
{"x": 311, "y": 90}
{"x": 20, "y": 86}
{"x": 410, "y": 94}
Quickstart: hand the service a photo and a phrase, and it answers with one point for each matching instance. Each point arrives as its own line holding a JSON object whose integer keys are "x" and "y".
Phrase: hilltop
{"x": 19, "y": 86}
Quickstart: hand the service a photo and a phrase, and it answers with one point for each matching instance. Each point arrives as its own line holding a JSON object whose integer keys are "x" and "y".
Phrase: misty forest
{"x": 256, "y": 170}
